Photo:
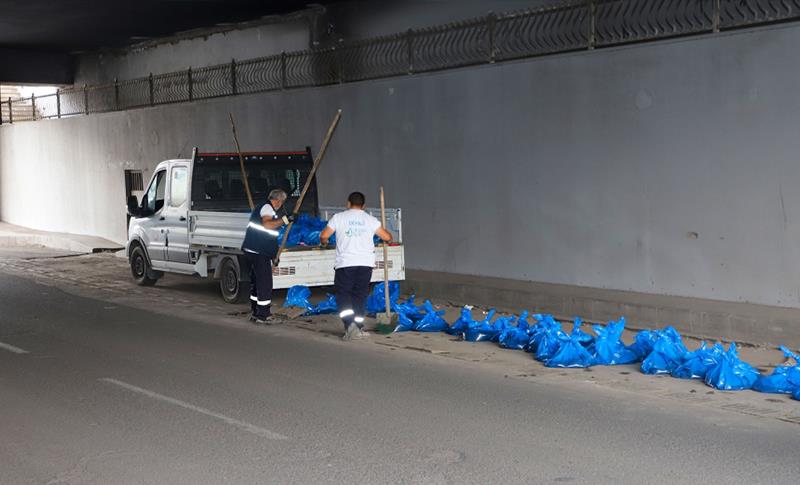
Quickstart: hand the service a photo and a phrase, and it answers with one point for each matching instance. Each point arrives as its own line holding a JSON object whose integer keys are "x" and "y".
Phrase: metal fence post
{"x": 86, "y": 99}
{"x": 717, "y": 15}
{"x": 234, "y": 88}
{"x": 58, "y": 103}
{"x": 10, "y": 111}
{"x": 150, "y": 87}
{"x": 491, "y": 25}
{"x": 410, "y": 50}
{"x": 283, "y": 69}
{"x": 189, "y": 83}
{"x": 339, "y": 64}
{"x": 116, "y": 94}
{"x": 33, "y": 107}
{"x": 592, "y": 24}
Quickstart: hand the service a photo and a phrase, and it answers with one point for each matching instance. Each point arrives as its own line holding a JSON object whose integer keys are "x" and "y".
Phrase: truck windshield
{"x": 219, "y": 185}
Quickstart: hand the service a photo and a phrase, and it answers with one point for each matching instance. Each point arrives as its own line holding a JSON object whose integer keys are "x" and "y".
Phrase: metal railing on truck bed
{"x": 224, "y": 231}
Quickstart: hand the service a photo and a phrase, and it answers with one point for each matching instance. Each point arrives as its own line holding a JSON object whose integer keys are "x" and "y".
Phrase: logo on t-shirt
{"x": 355, "y": 228}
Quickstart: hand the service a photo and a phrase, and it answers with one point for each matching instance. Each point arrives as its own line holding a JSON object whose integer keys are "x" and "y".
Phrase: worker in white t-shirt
{"x": 355, "y": 259}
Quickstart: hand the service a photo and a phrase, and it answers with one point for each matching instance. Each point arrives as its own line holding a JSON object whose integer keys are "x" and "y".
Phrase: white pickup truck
{"x": 192, "y": 219}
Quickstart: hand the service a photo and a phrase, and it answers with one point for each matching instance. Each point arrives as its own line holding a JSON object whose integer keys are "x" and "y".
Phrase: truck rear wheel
{"x": 140, "y": 268}
{"x": 230, "y": 284}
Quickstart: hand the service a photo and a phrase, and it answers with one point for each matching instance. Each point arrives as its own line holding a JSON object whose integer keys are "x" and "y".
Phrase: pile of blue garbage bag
{"x": 306, "y": 230}
{"x": 659, "y": 351}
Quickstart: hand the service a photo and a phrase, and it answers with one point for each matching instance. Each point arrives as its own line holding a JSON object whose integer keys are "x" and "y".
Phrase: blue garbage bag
{"x": 571, "y": 353}
{"x": 482, "y": 331}
{"x": 731, "y": 373}
{"x": 376, "y": 303}
{"x": 432, "y": 321}
{"x": 783, "y": 378}
{"x": 501, "y": 325}
{"x": 608, "y": 348}
{"x": 550, "y": 341}
{"x": 522, "y": 321}
{"x": 324, "y": 307}
{"x": 584, "y": 338}
{"x": 517, "y": 337}
{"x": 408, "y": 308}
{"x": 643, "y": 343}
{"x": 404, "y": 324}
{"x": 697, "y": 363}
{"x": 544, "y": 324}
{"x": 297, "y": 296}
{"x": 311, "y": 238}
{"x": 463, "y": 322}
{"x": 668, "y": 353}
{"x": 305, "y": 231}
{"x": 796, "y": 394}
{"x": 408, "y": 314}
{"x": 537, "y": 329}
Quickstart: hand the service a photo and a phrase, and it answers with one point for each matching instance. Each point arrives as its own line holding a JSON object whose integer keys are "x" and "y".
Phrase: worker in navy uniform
{"x": 260, "y": 246}
{"x": 355, "y": 259}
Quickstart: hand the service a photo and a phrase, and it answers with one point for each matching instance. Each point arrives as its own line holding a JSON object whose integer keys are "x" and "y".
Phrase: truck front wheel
{"x": 230, "y": 283}
{"x": 140, "y": 268}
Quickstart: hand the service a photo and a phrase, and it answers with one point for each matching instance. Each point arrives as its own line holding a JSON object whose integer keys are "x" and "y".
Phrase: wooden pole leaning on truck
{"x": 241, "y": 165}
{"x": 322, "y": 149}
{"x": 386, "y": 321}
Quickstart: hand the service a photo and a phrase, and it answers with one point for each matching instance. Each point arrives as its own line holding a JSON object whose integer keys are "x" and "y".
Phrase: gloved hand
{"x": 292, "y": 217}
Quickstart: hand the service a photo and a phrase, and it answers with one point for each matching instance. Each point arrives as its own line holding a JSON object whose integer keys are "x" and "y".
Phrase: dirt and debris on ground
{"x": 107, "y": 276}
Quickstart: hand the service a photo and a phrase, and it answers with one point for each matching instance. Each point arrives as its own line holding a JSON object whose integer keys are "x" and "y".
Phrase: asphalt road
{"x": 93, "y": 392}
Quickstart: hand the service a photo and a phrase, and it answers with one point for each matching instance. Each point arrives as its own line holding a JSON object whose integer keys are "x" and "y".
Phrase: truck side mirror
{"x": 133, "y": 206}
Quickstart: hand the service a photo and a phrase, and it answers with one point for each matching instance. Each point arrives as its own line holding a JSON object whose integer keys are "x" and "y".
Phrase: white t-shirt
{"x": 267, "y": 211}
{"x": 354, "y": 229}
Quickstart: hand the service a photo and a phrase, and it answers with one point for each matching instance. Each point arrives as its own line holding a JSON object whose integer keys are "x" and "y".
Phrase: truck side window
{"x": 178, "y": 186}
{"x": 155, "y": 193}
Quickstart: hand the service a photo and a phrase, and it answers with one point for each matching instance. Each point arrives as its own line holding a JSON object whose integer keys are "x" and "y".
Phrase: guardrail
{"x": 589, "y": 24}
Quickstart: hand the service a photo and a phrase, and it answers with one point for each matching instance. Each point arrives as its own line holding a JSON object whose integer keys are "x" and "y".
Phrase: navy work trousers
{"x": 352, "y": 289}
{"x": 260, "y": 284}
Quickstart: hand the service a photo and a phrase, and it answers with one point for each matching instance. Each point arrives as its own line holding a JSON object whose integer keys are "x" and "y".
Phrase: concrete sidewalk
{"x": 18, "y": 236}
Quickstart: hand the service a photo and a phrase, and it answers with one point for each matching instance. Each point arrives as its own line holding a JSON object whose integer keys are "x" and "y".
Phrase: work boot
{"x": 362, "y": 334}
{"x": 268, "y": 320}
{"x": 351, "y": 333}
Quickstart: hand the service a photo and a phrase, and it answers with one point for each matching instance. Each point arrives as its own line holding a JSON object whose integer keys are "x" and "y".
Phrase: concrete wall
{"x": 355, "y": 19}
{"x": 197, "y": 51}
{"x": 663, "y": 168}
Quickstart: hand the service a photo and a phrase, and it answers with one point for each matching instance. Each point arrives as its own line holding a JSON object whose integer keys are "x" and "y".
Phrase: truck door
{"x": 153, "y": 224}
{"x": 176, "y": 222}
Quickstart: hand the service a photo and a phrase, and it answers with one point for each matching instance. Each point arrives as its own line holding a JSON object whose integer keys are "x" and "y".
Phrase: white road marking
{"x": 11, "y": 348}
{"x": 250, "y": 428}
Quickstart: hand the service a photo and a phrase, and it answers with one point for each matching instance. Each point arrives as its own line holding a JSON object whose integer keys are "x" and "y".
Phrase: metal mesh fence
{"x": 580, "y": 24}
{"x": 738, "y": 13}
{"x": 210, "y": 82}
{"x": 526, "y": 34}
{"x": 47, "y": 106}
{"x": 375, "y": 58}
{"x": 256, "y": 75}
{"x": 448, "y": 46}
{"x": 101, "y": 98}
